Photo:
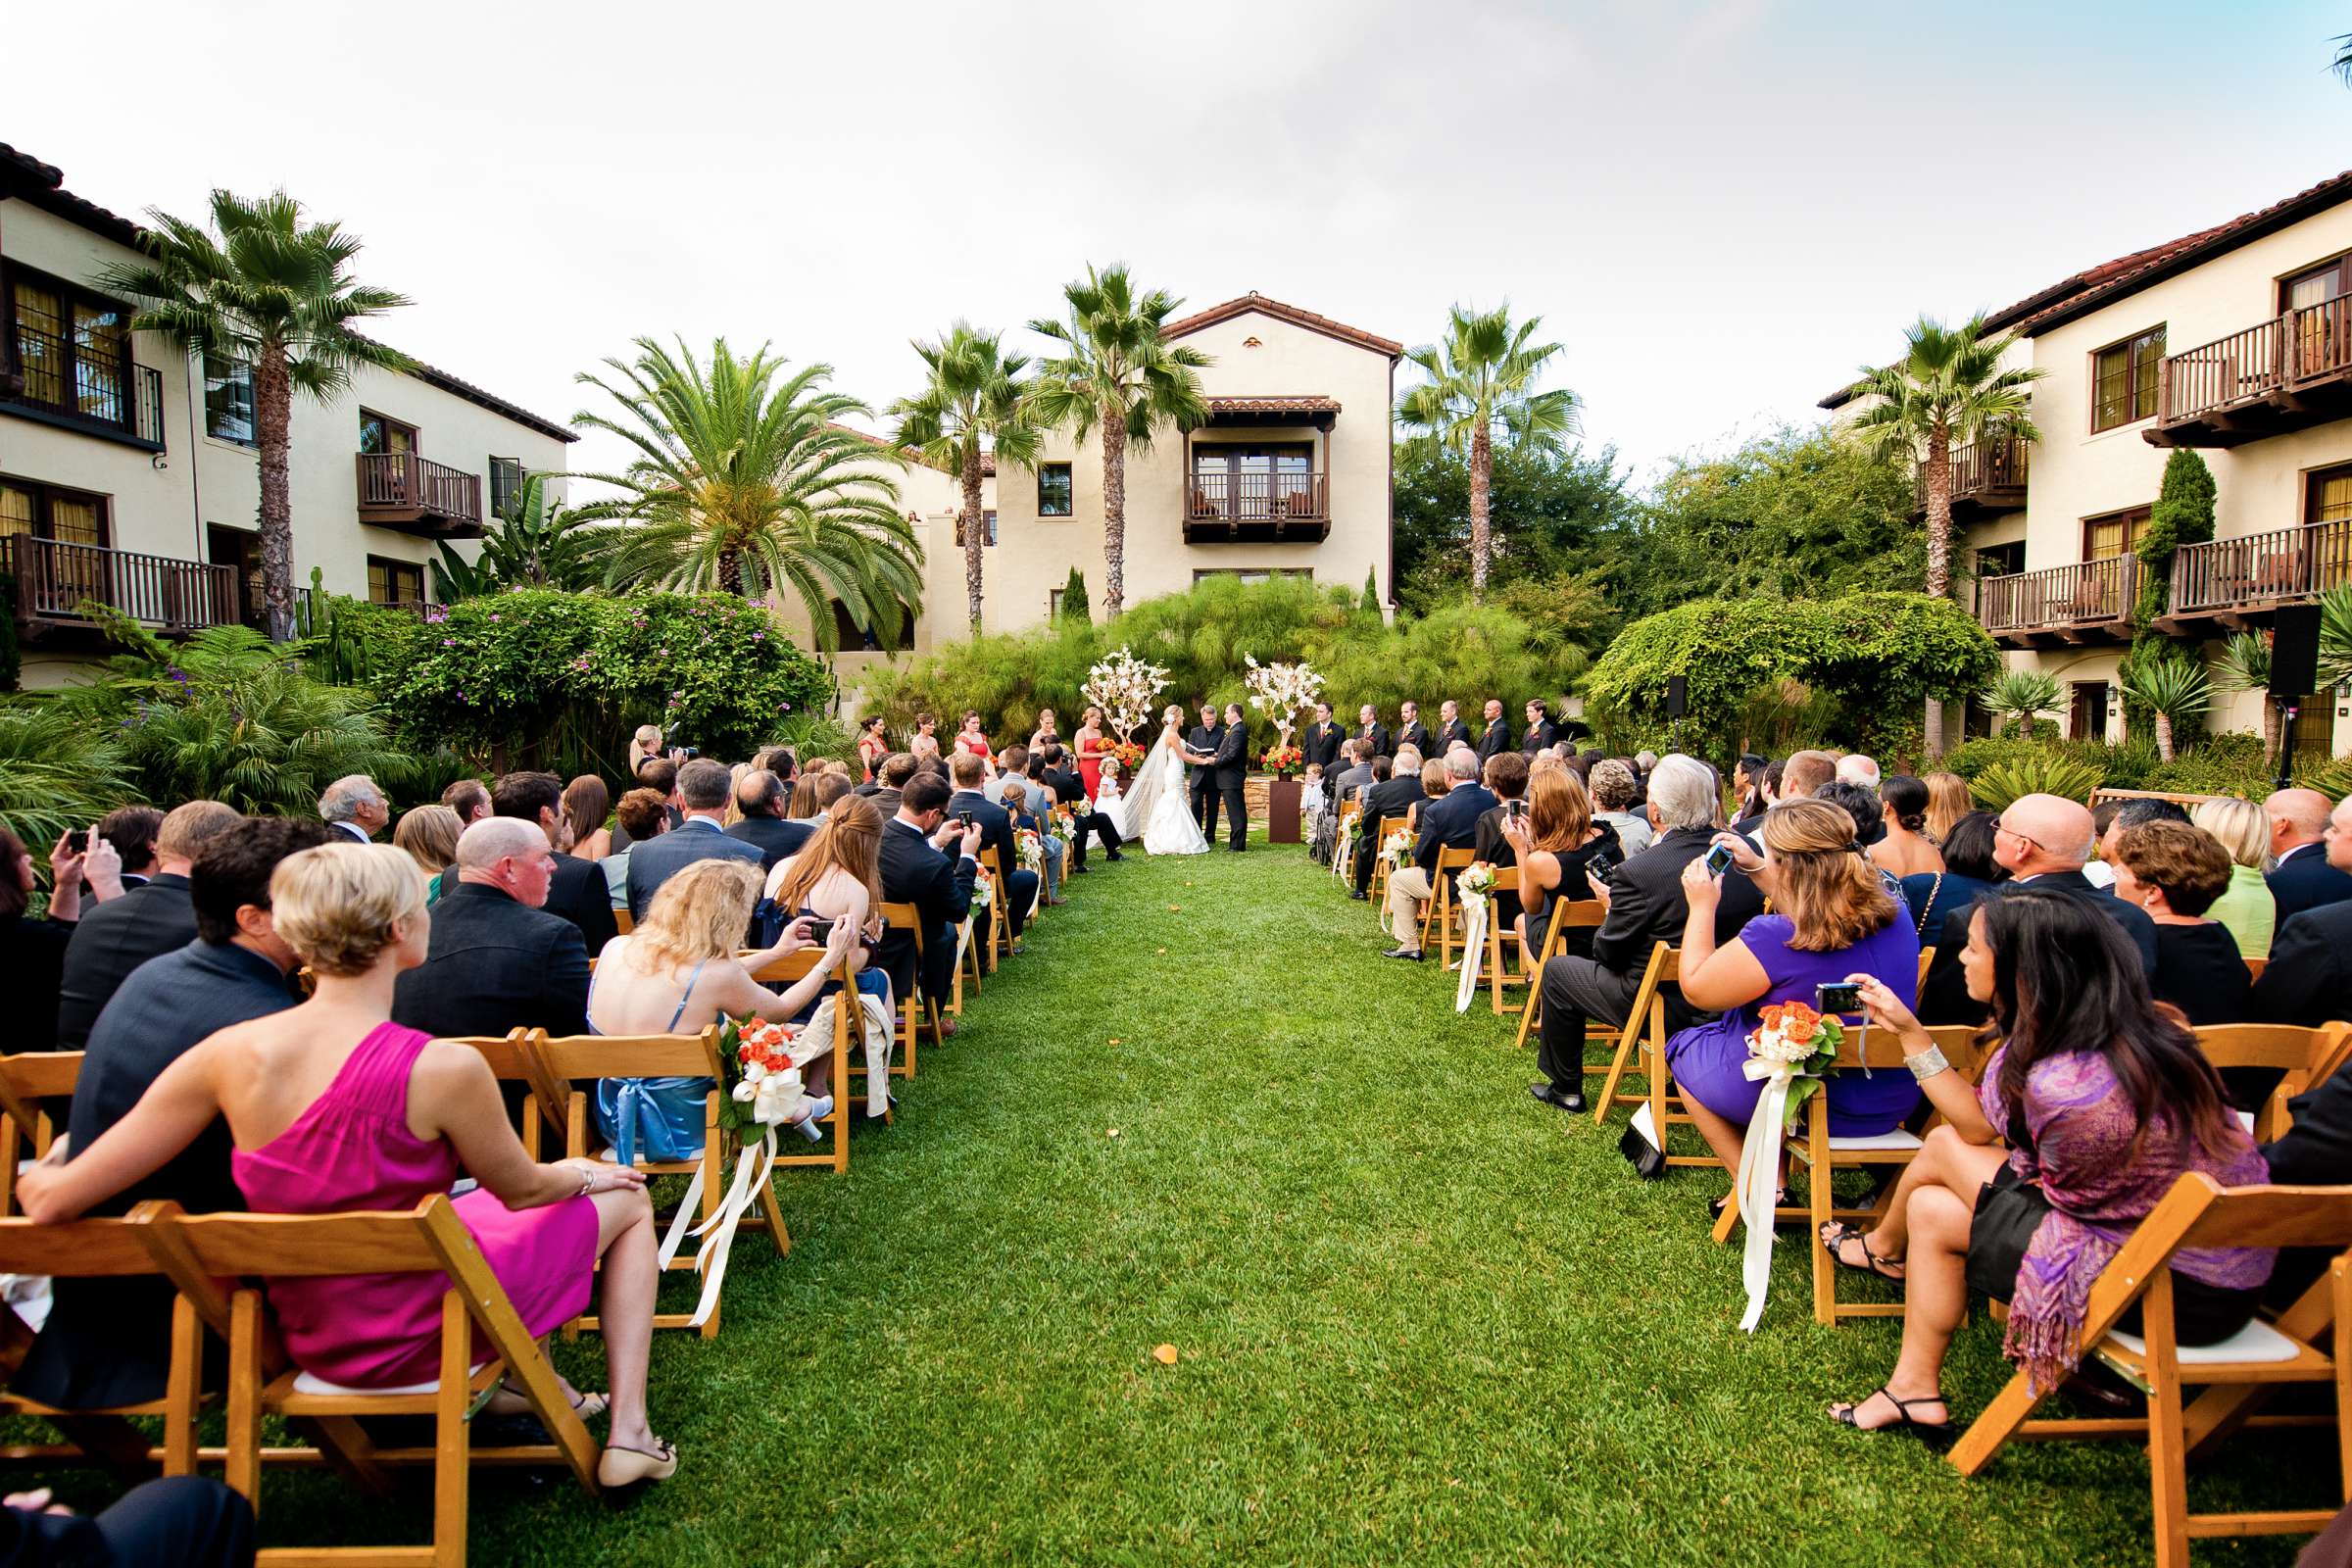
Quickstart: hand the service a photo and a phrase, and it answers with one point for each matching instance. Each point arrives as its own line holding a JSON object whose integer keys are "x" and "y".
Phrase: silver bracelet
{"x": 587, "y": 1180}
{"x": 1927, "y": 1065}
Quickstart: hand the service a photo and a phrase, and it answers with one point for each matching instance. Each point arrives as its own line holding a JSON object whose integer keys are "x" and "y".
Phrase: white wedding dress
{"x": 1157, "y": 802}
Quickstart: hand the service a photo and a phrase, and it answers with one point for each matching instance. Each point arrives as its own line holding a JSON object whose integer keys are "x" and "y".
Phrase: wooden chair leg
{"x": 2168, "y": 1476}
{"x": 452, "y": 1463}
{"x": 1618, "y": 1066}
{"x": 183, "y": 1388}
{"x": 1817, "y": 1210}
{"x": 243, "y": 1468}
{"x": 1996, "y": 1425}
{"x": 777, "y": 1232}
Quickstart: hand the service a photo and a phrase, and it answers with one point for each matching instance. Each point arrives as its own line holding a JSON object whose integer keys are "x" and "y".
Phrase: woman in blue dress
{"x": 1831, "y": 916}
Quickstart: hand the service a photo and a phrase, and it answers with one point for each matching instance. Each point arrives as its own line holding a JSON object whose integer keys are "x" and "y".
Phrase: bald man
{"x": 2305, "y": 875}
{"x": 497, "y": 961}
{"x": 2310, "y": 971}
{"x": 2042, "y": 841}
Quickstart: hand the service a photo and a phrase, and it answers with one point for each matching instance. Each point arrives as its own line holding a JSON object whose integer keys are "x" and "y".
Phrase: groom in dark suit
{"x": 1232, "y": 766}
{"x": 1200, "y": 754}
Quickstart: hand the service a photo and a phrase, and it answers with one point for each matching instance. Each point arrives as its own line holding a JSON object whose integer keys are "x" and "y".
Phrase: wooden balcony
{"x": 53, "y": 578}
{"x": 40, "y": 380}
{"x": 2289, "y": 373}
{"x": 1286, "y": 507}
{"x": 402, "y": 490}
{"x": 2231, "y": 580}
{"x": 1989, "y": 478}
{"x": 2088, "y": 602}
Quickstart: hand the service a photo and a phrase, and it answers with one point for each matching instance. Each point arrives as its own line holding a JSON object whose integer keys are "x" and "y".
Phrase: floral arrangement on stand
{"x": 1280, "y": 691}
{"x": 1789, "y": 1051}
{"x": 1282, "y": 760}
{"x": 1129, "y": 756}
{"x": 1127, "y": 688}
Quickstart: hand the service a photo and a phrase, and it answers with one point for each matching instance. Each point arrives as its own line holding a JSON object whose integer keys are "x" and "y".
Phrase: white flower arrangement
{"x": 1127, "y": 690}
{"x": 1395, "y": 848}
{"x": 1475, "y": 884}
{"x": 1281, "y": 690}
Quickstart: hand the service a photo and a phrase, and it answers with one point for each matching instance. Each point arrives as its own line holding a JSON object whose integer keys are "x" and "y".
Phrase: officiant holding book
{"x": 1200, "y": 756}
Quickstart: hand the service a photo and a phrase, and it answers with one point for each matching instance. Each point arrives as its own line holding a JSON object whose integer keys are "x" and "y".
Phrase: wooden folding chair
{"x": 1499, "y": 973}
{"x": 574, "y": 1064}
{"x": 1343, "y": 854}
{"x": 624, "y": 922}
{"x": 999, "y": 922}
{"x": 32, "y": 1084}
{"x": 2255, "y": 966}
{"x": 2304, "y": 1056}
{"x": 2310, "y": 1343}
{"x": 1444, "y": 908}
{"x": 515, "y": 1059}
{"x": 1645, "y": 1032}
{"x": 1566, "y": 916}
{"x": 907, "y": 1021}
{"x": 847, "y": 1046}
{"x": 1927, "y": 961}
{"x": 198, "y": 1250}
{"x": 1380, "y": 865}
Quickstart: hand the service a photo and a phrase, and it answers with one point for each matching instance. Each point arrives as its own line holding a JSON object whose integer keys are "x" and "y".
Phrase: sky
{"x": 1719, "y": 207}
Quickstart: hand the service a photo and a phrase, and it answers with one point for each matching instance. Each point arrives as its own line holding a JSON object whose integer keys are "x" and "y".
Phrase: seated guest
{"x": 332, "y": 1108}
{"x": 803, "y": 807}
{"x": 2303, "y": 871}
{"x": 1393, "y": 792}
{"x": 701, "y": 799}
{"x": 1949, "y": 799}
{"x": 926, "y": 859}
{"x": 2309, "y": 972}
{"x": 353, "y": 804}
{"x": 469, "y": 797}
{"x": 1747, "y": 788}
{"x": 1831, "y": 916}
{"x": 1449, "y": 823}
{"x": 969, "y": 770}
{"x": 1611, "y": 785}
{"x": 1507, "y": 781}
{"x": 679, "y": 971}
{"x": 1859, "y": 768}
{"x": 131, "y": 830}
{"x": 498, "y": 959}
{"x": 576, "y": 888}
{"x": 1555, "y": 841}
{"x": 661, "y": 775}
{"x": 1645, "y": 905}
{"x": 1968, "y": 873}
{"x": 2097, "y": 870}
{"x": 1861, "y": 804}
{"x": 759, "y": 796}
{"x": 2176, "y": 872}
{"x": 1022, "y": 793}
{"x": 1357, "y": 775}
{"x": 429, "y": 834}
{"x": 889, "y": 779}
{"x": 1437, "y": 782}
{"x": 2105, "y": 1102}
{"x": 2245, "y": 907}
{"x": 33, "y": 953}
{"x": 1906, "y": 850}
{"x": 121, "y": 934}
{"x": 108, "y": 1342}
{"x": 2042, "y": 841}
{"x": 585, "y": 805}
{"x": 642, "y": 814}
{"x": 838, "y": 878}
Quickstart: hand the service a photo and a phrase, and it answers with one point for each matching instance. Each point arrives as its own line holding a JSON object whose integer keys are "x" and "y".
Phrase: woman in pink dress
{"x": 973, "y": 740}
{"x": 333, "y": 1107}
{"x": 1090, "y": 751}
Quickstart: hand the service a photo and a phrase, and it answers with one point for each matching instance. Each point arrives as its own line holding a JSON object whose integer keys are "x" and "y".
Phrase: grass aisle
{"x": 1421, "y": 1319}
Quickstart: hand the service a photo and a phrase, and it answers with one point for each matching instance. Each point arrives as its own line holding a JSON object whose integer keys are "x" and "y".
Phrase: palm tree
{"x": 750, "y": 484}
{"x": 2021, "y": 696}
{"x": 1119, "y": 372}
{"x": 2244, "y": 665}
{"x": 533, "y": 546}
{"x": 1481, "y": 379}
{"x": 974, "y": 403}
{"x": 1948, "y": 389}
{"x": 264, "y": 287}
{"x": 2175, "y": 688}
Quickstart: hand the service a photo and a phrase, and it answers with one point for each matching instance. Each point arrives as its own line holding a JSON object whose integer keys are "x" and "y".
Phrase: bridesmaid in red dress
{"x": 873, "y": 745}
{"x": 1090, "y": 751}
{"x": 971, "y": 739}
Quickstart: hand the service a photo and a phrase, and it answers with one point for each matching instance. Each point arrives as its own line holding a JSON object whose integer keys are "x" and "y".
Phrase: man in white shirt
{"x": 353, "y": 804}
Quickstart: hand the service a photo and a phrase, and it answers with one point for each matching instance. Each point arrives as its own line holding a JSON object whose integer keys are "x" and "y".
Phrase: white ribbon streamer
{"x": 1474, "y": 948}
{"x": 752, "y": 1171}
{"x": 1759, "y": 1186}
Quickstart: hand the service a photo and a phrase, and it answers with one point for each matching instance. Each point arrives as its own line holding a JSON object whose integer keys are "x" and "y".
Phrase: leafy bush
{"x": 2229, "y": 764}
{"x": 58, "y": 769}
{"x": 2000, "y": 783}
{"x": 1973, "y": 757}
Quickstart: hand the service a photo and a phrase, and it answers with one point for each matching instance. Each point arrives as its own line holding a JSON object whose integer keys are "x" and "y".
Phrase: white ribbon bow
{"x": 1474, "y": 948}
{"x": 1759, "y": 1191}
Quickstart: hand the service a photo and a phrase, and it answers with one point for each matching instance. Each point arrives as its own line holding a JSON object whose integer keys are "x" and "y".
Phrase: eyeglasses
{"x": 2003, "y": 827}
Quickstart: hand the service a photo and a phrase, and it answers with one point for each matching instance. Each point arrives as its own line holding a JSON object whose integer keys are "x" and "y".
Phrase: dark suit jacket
{"x": 2309, "y": 978}
{"x": 110, "y": 941}
{"x": 1358, "y": 777}
{"x": 1416, "y": 735}
{"x": 2316, "y": 1151}
{"x": 495, "y": 964}
{"x": 941, "y": 890}
{"x": 1380, "y": 744}
{"x": 1322, "y": 745}
{"x": 1202, "y": 738}
{"x": 887, "y": 801}
{"x": 1647, "y": 905}
{"x": 108, "y": 1342}
{"x": 1539, "y": 736}
{"x": 1391, "y": 797}
{"x": 1233, "y": 756}
{"x": 996, "y": 827}
{"x": 1944, "y": 997}
{"x": 1447, "y": 734}
{"x": 1450, "y": 821}
{"x": 579, "y": 892}
{"x": 1497, "y": 738}
{"x": 2304, "y": 880}
{"x": 776, "y": 837}
{"x": 652, "y": 864}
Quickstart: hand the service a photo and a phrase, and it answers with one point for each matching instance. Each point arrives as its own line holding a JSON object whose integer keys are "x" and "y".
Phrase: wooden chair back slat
{"x": 309, "y": 1245}
{"x": 517, "y": 1057}
{"x": 83, "y": 1249}
{"x": 570, "y": 1059}
{"x": 2262, "y": 1044}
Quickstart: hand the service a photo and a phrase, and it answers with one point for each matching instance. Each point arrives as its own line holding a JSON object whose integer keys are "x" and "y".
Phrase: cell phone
{"x": 1842, "y": 997}
{"x": 1514, "y": 807}
{"x": 1719, "y": 859}
{"x": 965, "y": 818}
{"x": 78, "y": 841}
{"x": 820, "y": 932}
{"x": 1603, "y": 871}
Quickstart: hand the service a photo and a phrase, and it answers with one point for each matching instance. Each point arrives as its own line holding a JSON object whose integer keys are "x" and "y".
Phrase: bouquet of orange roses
{"x": 1793, "y": 1042}
{"x": 1284, "y": 760}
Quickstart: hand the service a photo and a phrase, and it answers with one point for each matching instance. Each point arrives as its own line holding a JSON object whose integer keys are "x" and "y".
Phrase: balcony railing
{"x": 2064, "y": 601}
{"x": 54, "y": 577}
{"x": 1987, "y": 476}
{"x": 400, "y": 488}
{"x": 2261, "y": 569}
{"x": 1257, "y": 506}
{"x": 2256, "y": 381}
{"x": 46, "y": 378}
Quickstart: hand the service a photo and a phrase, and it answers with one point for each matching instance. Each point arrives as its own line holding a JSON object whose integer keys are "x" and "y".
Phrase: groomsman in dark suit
{"x": 1411, "y": 731}
{"x": 1201, "y": 752}
{"x": 1451, "y": 728}
{"x": 1232, "y": 767}
{"x": 1323, "y": 737}
{"x": 1498, "y": 736}
{"x": 1540, "y": 730}
{"x": 1369, "y": 727}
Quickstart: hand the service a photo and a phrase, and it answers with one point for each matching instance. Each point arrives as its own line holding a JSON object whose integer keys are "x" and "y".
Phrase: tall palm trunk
{"x": 973, "y": 540}
{"x": 1114, "y": 510}
{"x": 2164, "y": 738}
{"x": 274, "y": 412}
{"x": 1939, "y": 470}
{"x": 2269, "y": 730}
{"x": 1482, "y": 491}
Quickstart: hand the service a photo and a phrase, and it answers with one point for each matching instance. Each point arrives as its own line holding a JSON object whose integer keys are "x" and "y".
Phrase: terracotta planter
{"x": 1282, "y": 811}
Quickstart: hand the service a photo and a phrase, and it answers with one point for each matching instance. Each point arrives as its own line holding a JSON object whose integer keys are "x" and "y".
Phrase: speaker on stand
{"x": 2294, "y": 674}
{"x": 1678, "y": 697}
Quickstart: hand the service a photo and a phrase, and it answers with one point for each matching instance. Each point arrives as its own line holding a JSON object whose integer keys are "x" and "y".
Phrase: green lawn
{"x": 1421, "y": 1318}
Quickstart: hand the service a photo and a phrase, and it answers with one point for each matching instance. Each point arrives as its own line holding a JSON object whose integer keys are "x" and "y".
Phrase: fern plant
{"x": 2002, "y": 784}
{"x": 2176, "y": 690}
{"x": 57, "y": 771}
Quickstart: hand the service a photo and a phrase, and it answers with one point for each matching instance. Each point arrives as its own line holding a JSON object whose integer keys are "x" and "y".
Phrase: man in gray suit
{"x": 701, "y": 796}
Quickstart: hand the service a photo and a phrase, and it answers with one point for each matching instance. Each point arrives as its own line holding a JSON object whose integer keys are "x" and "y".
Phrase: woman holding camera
{"x": 1556, "y": 841}
{"x": 1832, "y": 917}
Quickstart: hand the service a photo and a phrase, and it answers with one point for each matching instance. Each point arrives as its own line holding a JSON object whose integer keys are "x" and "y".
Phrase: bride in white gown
{"x": 1156, "y": 799}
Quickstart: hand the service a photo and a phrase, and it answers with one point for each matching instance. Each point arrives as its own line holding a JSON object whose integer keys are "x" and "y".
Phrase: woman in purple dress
{"x": 1832, "y": 915}
{"x": 333, "y": 1107}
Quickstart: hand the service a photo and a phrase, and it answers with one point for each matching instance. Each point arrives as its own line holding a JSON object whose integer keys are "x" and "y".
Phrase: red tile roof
{"x": 1292, "y": 314}
{"x": 1282, "y": 405}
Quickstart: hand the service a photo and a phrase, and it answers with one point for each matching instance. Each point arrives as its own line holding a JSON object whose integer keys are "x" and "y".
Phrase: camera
{"x": 78, "y": 841}
{"x": 820, "y": 932}
{"x": 1842, "y": 997}
{"x": 1514, "y": 807}
{"x": 1719, "y": 859}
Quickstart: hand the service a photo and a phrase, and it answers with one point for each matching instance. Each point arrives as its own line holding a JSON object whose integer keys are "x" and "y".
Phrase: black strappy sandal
{"x": 1833, "y": 1236}
{"x": 1937, "y": 1435}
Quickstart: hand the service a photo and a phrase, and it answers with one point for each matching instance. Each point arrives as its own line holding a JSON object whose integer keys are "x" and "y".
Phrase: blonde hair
{"x": 849, "y": 838}
{"x": 2239, "y": 827}
{"x": 336, "y": 905}
{"x": 1948, "y": 800}
{"x": 1828, "y": 889}
{"x": 647, "y": 742}
{"x": 1433, "y": 778}
{"x": 700, "y": 913}
{"x": 429, "y": 836}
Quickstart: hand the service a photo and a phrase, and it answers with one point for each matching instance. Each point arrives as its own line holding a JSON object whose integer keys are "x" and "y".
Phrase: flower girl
{"x": 1108, "y": 801}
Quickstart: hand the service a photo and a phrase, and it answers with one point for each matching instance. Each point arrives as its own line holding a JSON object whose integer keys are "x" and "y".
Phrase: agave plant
{"x": 2021, "y": 696}
{"x": 2335, "y": 635}
{"x": 2177, "y": 690}
{"x": 2244, "y": 665}
{"x": 57, "y": 771}
{"x": 2000, "y": 785}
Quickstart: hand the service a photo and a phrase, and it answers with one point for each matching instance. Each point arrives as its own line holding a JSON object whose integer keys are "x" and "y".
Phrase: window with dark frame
{"x": 29, "y": 510}
{"x": 228, "y": 400}
{"x": 2002, "y": 560}
{"x": 72, "y": 347}
{"x": 2123, "y": 380}
{"x": 505, "y": 484}
{"x": 2328, "y": 494}
{"x": 2114, "y": 533}
{"x": 1053, "y": 496}
{"x": 988, "y": 536}
{"x": 378, "y": 433}
{"x": 395, "y": 582}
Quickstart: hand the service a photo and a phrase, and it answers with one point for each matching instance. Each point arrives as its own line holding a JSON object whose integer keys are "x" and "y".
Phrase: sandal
{"x": 1836, "y": 1232}
{"x": 1937, "y": 1435}
{"x": 509, "y": 1401}
{"x": 626, "y": 1467}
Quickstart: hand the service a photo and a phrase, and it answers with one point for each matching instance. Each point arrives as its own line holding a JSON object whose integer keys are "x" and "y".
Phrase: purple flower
{"x": 449, "y": 642}
{"x": 494, "y": 616}
{"x": 759, "y": 636}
